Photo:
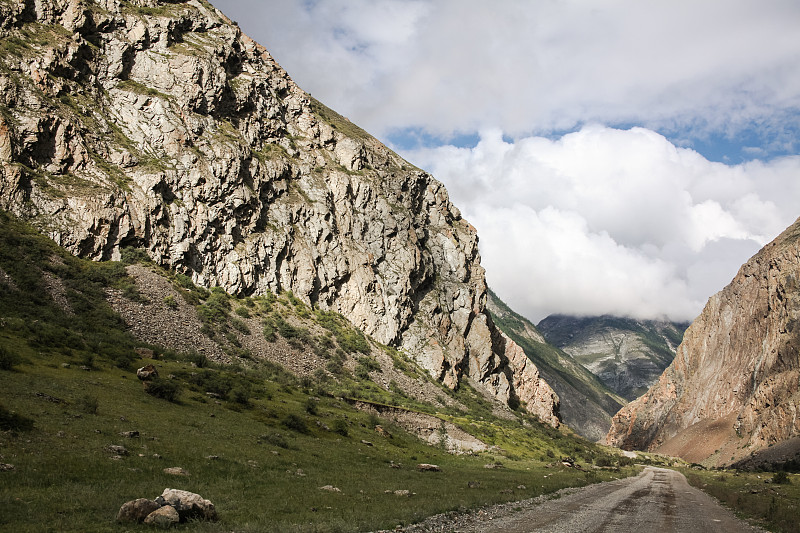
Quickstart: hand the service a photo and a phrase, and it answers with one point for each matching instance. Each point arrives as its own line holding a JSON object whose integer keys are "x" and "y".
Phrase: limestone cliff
{"x": 159, "y": 125}
{"x": 732, "y": 389}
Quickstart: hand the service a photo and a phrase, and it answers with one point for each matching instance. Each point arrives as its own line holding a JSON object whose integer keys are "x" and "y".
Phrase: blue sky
{"x": 616, "y": 156}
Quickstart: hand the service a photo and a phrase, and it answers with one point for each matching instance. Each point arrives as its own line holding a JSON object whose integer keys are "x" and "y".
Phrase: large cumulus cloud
{"x": 612, "y": 221}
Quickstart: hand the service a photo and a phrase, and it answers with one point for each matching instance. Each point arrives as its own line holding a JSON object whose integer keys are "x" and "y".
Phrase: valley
{"x": 211, "y": 281}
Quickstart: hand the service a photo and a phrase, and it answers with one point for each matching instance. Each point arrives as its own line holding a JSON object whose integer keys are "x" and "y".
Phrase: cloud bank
{"x": 612, "y": 221}
{"x": 449, "y": 66}
{"x": 607, "y": 219}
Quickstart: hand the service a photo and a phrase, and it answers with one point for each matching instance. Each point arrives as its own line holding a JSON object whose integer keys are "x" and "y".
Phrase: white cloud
{"x": 522, "y": 66}
{"x": 612, "y": 221}
{"x": 600, "y": 220}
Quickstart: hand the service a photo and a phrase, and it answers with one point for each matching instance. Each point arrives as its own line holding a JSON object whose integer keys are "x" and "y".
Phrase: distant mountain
{"x": 586, "y": 403}
{"x": 732, "y": 392}
{"x": 627, "y": 355}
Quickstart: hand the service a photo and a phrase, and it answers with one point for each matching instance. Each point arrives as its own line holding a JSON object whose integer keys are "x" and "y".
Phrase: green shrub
{"x": 311, "y": 406}
{"x": 133, "y": 256}
{"x": 243, "y": 311}
{"x": 365, "y": 366}
{"x": 340, "y": 426}
{"x": 89, "y": 404}
{"x": 8, "y": 359}
{"x": 240, "y": 326}
{"x": 781, "y": 478}
{"x": 13, "y": 422}
{"x": 274, "y": 438}
{"x": 295, "y": 423}
{"x": 164, "y": 389}
{"x": 170, "y": 302}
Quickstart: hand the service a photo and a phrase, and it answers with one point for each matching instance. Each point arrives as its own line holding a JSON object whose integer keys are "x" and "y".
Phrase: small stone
{"x": 426, "y": 467}
{"x": 212, "y": 457}
{"x": 330, "y": 488}
{"x": 5, "y": 467}
{"x": 176, "y": 471}
{"x": 163, "y": 517}
{"x": 129, "y": 434}
{"x": 147, "y": 373}
{"x": 117, "y": 450}
{"x": 136, "y": 510}
{"x": 366, "y": 443}
{"x": 402, "y": 492}
{"x": 65, "y": 365}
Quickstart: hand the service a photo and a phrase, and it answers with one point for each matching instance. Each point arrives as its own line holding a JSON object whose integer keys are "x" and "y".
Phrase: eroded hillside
{"x": 159, "y": 125}
{"x": 732, "y": 389}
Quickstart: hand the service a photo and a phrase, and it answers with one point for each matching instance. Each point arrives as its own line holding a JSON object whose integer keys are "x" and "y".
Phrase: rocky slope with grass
{"x": 732, "y": 389}
{"x": 157, "y": 124}
{"x": 628, "y": 355}
{"x": 587, "y": 405}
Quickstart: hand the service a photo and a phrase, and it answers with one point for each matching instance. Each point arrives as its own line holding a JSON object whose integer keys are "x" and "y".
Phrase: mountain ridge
{"x": 627, "y": 354}
{"x": 586, "y": 404}
{"x": 732, "y": 390}
{"x": 160, "y": 125}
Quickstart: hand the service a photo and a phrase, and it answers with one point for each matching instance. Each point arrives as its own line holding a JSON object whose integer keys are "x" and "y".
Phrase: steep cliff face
{"x": 587, "y": 405}
{"x": 158, "y": 124}
{"x": 627, "y": 355}
{"x": 733, "y": 386}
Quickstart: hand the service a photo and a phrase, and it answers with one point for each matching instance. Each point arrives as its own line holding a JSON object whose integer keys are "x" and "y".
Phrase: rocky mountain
{"x": 627, "y": 355}
{"x": 157, "y": 124}
{"x": 587, "y": 405}
{"x": 733, "y": 388}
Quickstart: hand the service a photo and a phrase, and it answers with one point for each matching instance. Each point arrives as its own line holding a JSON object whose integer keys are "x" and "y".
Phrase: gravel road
{"x": 656, "y": 500}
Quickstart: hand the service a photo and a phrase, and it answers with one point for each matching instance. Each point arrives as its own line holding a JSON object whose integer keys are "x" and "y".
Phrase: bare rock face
{"x": 732, "y": 389}
{"x": 158, "y": 124}
{"x": 628, "y": 355}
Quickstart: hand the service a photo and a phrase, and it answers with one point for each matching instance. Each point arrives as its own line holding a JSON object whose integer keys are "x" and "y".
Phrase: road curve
{"x": 657, "y": 500}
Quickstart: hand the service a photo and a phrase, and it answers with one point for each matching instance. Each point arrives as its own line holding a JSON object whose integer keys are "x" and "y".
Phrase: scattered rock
{"x": 129, "y": 434}
{"x": 136, "y": 510}
{"x": 163, "y": 517}
{"x": 402, "y": 492}
{"x": 521, "y": 487}
{"x": 189, "y": 505}
{"x": 144, "y": 353}
{"x": 147, "y": 373}
{"x": 176, "y": 471}
{"x": 426, "y": 467}
{"x": 506, "y": 491}
{"x": 65, "y": 365}
{"x": 493, "y": 465}
{"x": 330, "y": 488}
{"x": 366, "y": 443}
{"x": 212, "y": 457}
{"x": 5, "y": 467}
{"x": 473, "y": 484}
{"x": 117, "y": 450}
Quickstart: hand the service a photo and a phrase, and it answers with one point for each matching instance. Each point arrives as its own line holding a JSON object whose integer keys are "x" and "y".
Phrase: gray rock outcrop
{"x": 159, "y": 125}
{"x": 734, "y": 385}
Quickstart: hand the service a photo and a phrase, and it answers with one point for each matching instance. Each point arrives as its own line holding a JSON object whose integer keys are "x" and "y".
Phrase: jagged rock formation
{"x": 158, "y": 124}
{"x": 627, "y": 355}
{"x": 587, "y": 405}
{"x": 732, "y": 389}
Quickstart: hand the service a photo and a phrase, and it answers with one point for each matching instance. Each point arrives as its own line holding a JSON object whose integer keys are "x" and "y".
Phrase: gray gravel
{"x": 656, "y": 500}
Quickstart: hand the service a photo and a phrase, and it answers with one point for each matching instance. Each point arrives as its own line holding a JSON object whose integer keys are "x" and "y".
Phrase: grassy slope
{"x": 277, "y": 438}
{"x": 752, "y": 495}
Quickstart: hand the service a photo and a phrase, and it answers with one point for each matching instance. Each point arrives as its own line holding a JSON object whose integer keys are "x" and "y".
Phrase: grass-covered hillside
{"x": 262, "y": 401}
{"x": 587, "y": 405}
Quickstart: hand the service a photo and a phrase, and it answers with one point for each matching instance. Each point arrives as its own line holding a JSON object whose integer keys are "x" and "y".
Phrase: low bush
{"x": 164, "y": 389}
{"x": 14, "y": 422}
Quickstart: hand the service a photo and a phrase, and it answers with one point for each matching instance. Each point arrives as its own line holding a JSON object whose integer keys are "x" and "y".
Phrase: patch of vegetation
{"x": 278, "y": 437}
{"x": 754, "y": 495}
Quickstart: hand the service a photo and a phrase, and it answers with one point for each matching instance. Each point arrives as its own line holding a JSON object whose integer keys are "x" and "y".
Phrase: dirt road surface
{"x": 657, "y": 500}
